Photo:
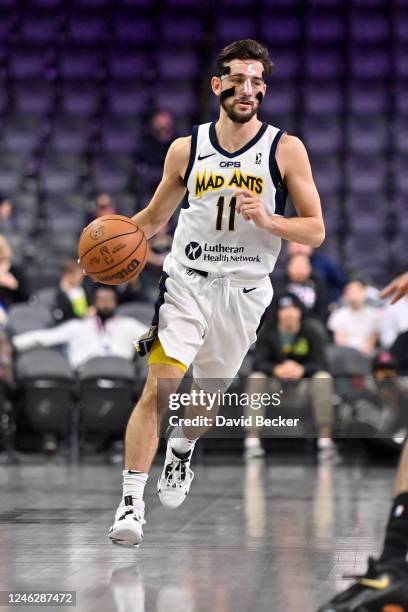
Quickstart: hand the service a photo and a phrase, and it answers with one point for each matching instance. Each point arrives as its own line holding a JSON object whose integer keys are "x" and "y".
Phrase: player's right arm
{"x": 170, "y": 190}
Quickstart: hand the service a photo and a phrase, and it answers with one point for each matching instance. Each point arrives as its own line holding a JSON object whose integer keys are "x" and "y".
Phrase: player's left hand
{"x": 251, "y": 208}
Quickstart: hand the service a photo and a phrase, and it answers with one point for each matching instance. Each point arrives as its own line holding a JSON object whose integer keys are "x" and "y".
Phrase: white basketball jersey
{"x": 210, "y": 235}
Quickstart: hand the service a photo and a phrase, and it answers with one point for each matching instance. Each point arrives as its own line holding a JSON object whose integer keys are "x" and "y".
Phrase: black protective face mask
{"x": 105, "y": 314}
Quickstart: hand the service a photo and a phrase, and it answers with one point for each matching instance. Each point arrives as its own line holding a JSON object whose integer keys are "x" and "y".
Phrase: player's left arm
{"x": 294, "y": 165}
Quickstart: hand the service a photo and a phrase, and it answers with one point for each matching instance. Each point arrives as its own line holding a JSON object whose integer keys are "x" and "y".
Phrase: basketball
{"x": 112, "y": 249}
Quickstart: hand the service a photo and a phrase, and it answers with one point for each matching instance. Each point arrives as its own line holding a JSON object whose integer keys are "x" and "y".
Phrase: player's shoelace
{"x": 175, "y": 473}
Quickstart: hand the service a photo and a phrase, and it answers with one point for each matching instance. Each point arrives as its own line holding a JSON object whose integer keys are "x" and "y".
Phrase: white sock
{"x": 134, "y": 484}
{"x": 179, "y": 442}
{"x": 324, "y": 443}
{"x": 252, "y": 442}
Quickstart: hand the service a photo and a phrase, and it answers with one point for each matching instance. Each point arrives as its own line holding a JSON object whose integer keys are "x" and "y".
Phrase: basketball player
{"x": 234, "y": 175}
{"x": 384, "y": 588}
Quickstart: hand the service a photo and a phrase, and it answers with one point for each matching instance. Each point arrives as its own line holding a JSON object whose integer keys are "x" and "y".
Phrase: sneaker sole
{"x": 166, "y": 505}
{"x": 126, "y": 537}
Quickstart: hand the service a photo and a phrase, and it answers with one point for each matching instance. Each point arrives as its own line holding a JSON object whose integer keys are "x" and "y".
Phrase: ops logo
{"x": 97, "y": 232}
{"x": 193, "y": 250}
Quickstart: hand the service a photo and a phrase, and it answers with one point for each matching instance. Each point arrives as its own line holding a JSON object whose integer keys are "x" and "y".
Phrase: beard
{"x": 237, "y": 117}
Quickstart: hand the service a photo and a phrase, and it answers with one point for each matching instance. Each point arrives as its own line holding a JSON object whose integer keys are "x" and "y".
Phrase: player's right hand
{"x": 397, "y": 289}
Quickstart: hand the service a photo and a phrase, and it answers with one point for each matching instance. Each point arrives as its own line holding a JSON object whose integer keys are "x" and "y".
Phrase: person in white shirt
{"x": 394, "y": 322}
{"x": 356, "y": 324}
{"x": 105, "y": 333}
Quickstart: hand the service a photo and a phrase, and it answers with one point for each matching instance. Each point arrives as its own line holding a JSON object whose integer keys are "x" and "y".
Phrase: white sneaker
{"x": 175, "y": 480}
{"x": 253, "y": 449}
{"x": 127, "y": 529}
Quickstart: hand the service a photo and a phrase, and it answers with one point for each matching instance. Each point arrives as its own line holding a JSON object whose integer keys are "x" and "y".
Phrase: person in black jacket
{"x": 302, "y": 281}
{"x": 290, "y": 356}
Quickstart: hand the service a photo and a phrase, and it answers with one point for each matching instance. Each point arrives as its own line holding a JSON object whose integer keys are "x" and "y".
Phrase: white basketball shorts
{"x": 211, "y": 321}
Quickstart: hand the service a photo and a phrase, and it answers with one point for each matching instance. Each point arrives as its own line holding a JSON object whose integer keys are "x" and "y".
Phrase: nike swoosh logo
{"x": 249, "y": 290}
{"x": 200, "y": 157}
{"x": 376, "y": 584}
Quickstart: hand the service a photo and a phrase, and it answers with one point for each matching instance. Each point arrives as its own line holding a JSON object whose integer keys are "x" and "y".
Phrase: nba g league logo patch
{"x": 193, "y": 250}
{"x": 258, "y": 158}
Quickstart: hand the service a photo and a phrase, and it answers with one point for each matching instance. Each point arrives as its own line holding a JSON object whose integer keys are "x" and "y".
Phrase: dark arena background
{"x": 92, "y": 94}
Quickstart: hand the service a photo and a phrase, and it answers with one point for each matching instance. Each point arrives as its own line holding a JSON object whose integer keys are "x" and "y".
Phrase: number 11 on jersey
{"x": 220, "y": 213}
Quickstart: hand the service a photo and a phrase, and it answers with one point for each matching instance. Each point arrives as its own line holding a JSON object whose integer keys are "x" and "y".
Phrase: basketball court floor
{"x": 261, "y": 537}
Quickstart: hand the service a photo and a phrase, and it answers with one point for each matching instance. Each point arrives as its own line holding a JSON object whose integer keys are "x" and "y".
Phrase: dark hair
{"x": 247, "y": 49}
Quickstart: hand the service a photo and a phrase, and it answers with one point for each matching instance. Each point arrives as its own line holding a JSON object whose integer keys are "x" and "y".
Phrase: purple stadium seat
{"x": 70, "y": 135}
{"x": 109, "y": 176}
{"x": 328, "y": 174}
{"x": 179, "y": 100}
{"x": 320, "y": 100}
{"x": 176, "y": 65}
{"x": 88, "y": 29}
{"x": 10, "y": 179}
{"x": 369, "y": 29}
{"x": 400, "y": 62}
{"x": 234, "y": 28}
{"x": 285, "y": 30}
{"x": 368, "y": 253}
{"x": 323, "y": 135}
{"x": 327, "y": 65}
{"x": 29, "y": 61}
{"x": 287, "y": 64}
{"x": 46, "y": 4}
{"x": 34, "y": 97}
{"x": 127, "y": 98}
{"x": 125, "y": 63}
{"x": 80, "y": 63}
{"x": 401, "y": 175}
{"x": 136, "y": 31}
{"x": 18, "y": 139}
{"x": 40, "y": 28}
{"x": 401, "y": 211}
{"x": 371, "y": 64}
{"x": 93, "y": 4}
{"x": 80, "y": 98}
{"x": 280, "y": 100}
{"x": 401, "y": 99}
{"x": 329, "y": 29}
{"x": 400, "y": 133}
{"x": 118, "y": 136}
{"x": 366, "y": 175}
{"x": 56, "y": 179}
{"x": 367, "y": 135}
{"x": 367, "y": 100}
{"x": 181, "y": 30}
{"x": 401, "y": 27}
{"x": 367, "y": 214}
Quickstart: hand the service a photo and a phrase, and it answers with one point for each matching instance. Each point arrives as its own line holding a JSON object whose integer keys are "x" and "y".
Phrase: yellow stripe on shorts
{"x": 157, "y": 355}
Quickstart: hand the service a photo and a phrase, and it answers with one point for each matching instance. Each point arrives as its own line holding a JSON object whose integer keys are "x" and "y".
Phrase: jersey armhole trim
{"x": 273, "y": 164}
{"x": 193, "y": 151}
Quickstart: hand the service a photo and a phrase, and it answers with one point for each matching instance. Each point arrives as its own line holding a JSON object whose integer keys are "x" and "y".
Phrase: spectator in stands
{"x": 6, "y": 214}
{"x": 104, "y": 333}
{"x": 71, "y": 300}
{"x": 13, "y": 285}
{"x": 159, "y": 248}
{"x": 104, "y": 205}
{"x": 291, "y": 356}
{"x": 306, "y": 285}
{"x": 328, "y": 270}
{"x": 356, "y": 324}
{"x": 157, "y": 141}
{"x": 394, "y": 322}
{"x": 133, "y": 291}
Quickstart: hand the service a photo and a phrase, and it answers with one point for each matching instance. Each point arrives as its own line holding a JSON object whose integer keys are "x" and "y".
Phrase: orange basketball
{"x": 112, "y": 249}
